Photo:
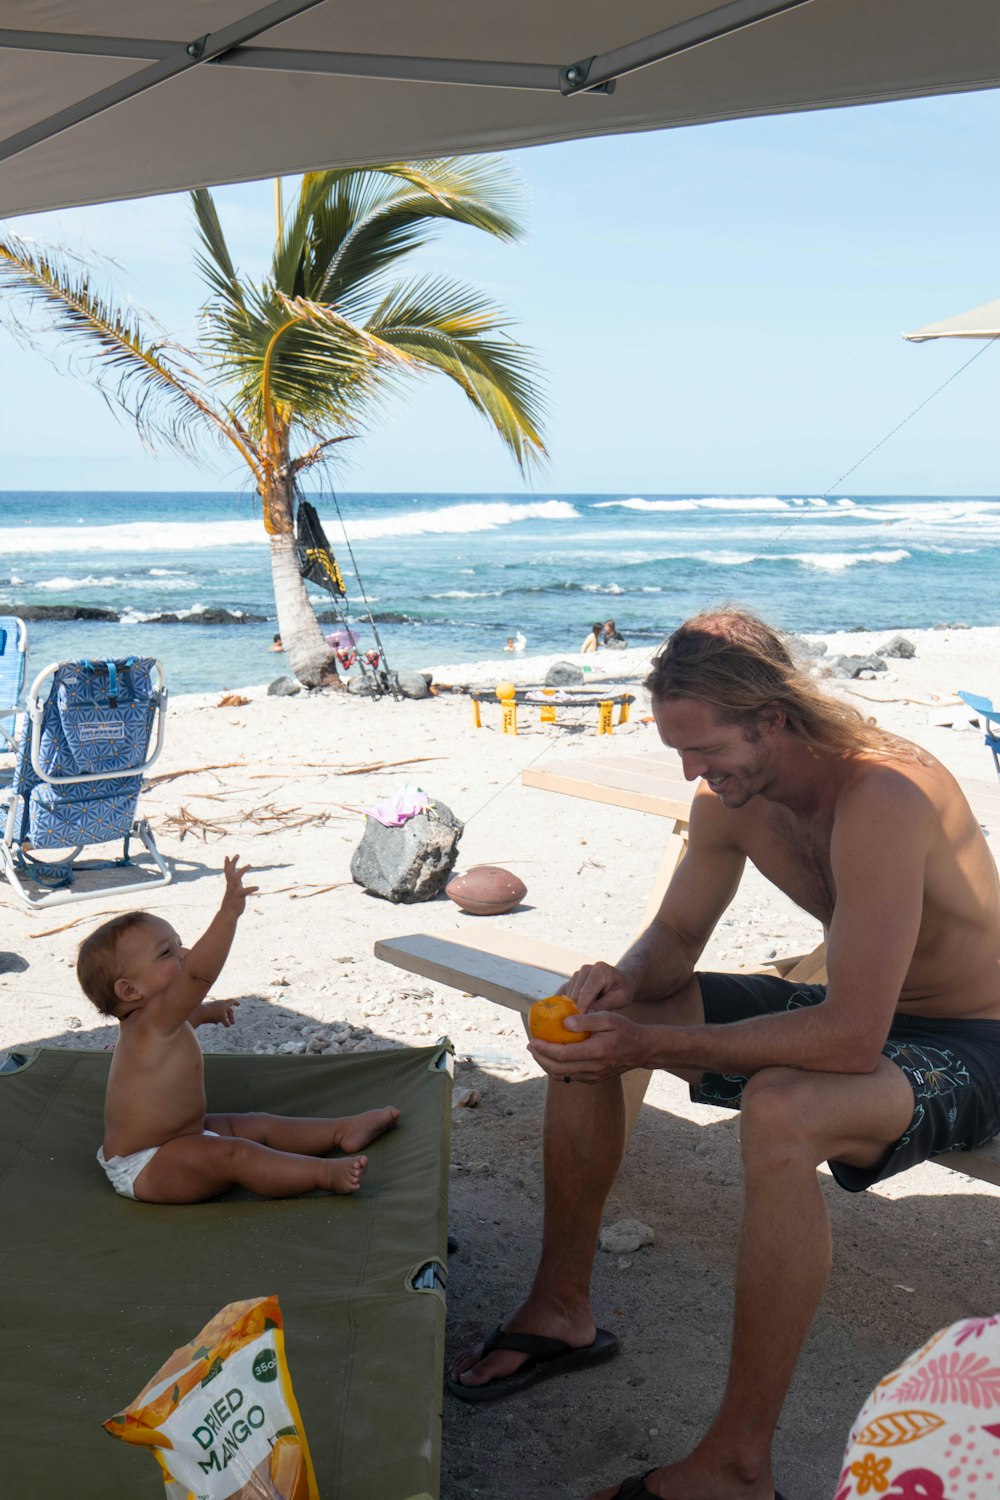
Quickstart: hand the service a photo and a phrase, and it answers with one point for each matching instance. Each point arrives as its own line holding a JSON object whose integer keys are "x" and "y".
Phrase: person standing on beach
{"x": 895, "y": 1059}
{"x": 594, "y": 638}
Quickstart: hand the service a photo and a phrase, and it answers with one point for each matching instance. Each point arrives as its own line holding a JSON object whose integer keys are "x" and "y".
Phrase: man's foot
{"x": 554, "y": 1342}
{"x": 358, "y": 1131}
{"x": 344, "y": 1175}
{"x": 675, "y": 1482}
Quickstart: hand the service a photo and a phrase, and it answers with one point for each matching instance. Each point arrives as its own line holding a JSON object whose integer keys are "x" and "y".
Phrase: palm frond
{"x": 214, "y": 261}
{"x": 351, "y": 224}
{"x": 144, "y": 378}
{"x": 444, "y": 326}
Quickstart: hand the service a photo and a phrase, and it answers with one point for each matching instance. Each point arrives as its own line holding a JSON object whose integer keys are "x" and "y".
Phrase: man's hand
{"x": 235, "y": 899}
{"x": 615, "y": 1046}
{"x": 215, "y": 1013}
{"x": 600, "y": 985}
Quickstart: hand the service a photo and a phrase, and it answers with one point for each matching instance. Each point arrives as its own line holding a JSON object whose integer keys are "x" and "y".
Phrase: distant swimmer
{"x": 516, "y": 642}
{"x": 595, "y": 637}
{"x": 276, "y": 644}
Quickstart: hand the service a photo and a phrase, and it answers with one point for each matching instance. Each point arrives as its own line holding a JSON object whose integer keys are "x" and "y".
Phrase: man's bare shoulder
{"x": 913, "y": 779}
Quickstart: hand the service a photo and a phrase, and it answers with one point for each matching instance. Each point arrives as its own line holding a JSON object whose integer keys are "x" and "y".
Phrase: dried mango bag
{"x": 220, "y": 1415}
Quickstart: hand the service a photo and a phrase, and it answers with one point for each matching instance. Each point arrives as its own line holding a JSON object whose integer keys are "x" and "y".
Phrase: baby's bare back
{"x": 156, "y": 1088}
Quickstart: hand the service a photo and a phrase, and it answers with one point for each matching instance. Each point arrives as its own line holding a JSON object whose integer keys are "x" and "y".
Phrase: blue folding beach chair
{"x": 989, "y": 722}
{"x": 83, "y": 749}
{"x": 13, "y": 658}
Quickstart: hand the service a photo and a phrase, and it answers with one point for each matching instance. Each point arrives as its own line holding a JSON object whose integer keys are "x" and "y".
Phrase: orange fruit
{"x": 546, "y": 1017}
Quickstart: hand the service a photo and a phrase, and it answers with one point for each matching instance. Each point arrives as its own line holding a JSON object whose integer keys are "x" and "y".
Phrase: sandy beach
{"x": 283, "y": 782}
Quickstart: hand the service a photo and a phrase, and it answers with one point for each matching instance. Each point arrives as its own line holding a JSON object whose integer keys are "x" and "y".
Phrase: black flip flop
{"x": 548, "y": 1357}
{"x": 635, "y": 1488}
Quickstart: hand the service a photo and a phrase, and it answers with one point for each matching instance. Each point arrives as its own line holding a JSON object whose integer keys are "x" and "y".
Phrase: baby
{"x": 159, "y": 1144}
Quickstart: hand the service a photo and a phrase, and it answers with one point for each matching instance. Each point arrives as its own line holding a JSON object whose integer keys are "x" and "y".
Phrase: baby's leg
{"x": 310, "y": 1137}
{"x": 191, "y": 1168}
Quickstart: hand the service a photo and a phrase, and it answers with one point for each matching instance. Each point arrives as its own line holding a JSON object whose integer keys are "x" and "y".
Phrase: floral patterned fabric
{"x": 931, "y": 1429}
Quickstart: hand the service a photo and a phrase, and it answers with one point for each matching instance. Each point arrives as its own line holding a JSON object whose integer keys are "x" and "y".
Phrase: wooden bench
{"x": 514, "y": 971}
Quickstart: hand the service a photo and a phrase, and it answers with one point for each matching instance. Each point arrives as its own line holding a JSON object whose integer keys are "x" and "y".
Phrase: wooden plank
{"x": 983, "y": 1164}
{"x": 634, "y": 788}
{"x": 502, "y": 967}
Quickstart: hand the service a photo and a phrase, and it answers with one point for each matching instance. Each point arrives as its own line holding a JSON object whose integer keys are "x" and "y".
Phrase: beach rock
{"x": 807, "y": 648}
{"x": 412, "y": 684}
{"x": 361, "y": 687}
{"x": 853, "y": 666}
{"x": 206, "y": 617}
{"x": 625, "y": 1236}
{"x": 283, "y": 687}
{"x": 898, "y": 645}
{"x": 563, "y": 674}
{"x": 12, "y": 963}
{"x": 409, "y": 863}
{"x": 61, "y": 612}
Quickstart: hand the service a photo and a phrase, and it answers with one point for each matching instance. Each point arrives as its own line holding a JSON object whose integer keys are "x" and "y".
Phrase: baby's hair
{"x": 97, "y": 960}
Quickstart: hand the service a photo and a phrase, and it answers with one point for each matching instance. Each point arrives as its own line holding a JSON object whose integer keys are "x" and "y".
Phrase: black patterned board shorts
{"x": 952, "y": 1066}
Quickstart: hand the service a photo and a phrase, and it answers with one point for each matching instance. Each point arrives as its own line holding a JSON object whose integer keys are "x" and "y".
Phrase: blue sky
{"x": 718, "y": 310}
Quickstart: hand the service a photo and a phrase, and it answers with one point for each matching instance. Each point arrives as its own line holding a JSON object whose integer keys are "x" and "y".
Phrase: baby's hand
{"x": 235, "y": 899}
{"x": 217, "y": 1013}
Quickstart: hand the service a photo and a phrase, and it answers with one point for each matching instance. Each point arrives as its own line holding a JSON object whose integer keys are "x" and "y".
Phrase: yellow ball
{"x": 505, "y": 690}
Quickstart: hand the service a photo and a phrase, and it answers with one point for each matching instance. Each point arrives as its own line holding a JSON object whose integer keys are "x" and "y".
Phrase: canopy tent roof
{"x": 120, "y": 98}
{"x": 978, "y": 323}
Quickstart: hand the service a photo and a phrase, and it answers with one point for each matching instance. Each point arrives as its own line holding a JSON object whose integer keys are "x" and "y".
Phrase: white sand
{"x": 909, "y": 1257}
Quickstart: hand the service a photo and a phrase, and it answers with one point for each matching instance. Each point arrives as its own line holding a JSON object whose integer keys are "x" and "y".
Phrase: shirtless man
{"x": 895, "y": 1059}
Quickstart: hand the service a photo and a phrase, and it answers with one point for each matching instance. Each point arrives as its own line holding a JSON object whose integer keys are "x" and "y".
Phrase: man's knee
{"x": 779, "y": 1120}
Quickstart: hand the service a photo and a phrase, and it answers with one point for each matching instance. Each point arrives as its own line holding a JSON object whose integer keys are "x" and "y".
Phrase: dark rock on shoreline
{"x": 207, "y": 617}
{"x": 61, "y": 612}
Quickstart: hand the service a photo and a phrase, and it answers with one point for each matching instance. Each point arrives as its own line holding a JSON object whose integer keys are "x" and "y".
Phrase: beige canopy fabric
{"x": 979, "y": 323}
{"x": 118, "y": 98}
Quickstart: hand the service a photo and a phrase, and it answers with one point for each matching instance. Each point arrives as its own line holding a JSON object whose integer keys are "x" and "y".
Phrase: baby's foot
{"x": 358, "y": 1131}
{"x": 345, "y": 1174}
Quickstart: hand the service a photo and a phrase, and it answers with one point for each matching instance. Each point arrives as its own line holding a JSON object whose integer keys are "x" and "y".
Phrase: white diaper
{"x": 123, "y": 1170}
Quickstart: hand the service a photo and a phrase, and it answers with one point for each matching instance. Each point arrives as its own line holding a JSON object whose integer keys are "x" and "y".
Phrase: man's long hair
{"x": 730, "y": 659}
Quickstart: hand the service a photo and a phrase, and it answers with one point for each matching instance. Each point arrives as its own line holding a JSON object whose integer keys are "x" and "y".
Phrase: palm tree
{"x": 290, "y": 366}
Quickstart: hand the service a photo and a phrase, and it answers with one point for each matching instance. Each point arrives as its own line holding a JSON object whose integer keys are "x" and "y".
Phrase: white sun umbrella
{"x": 978, "y": 323}
{"x": 116, "y": 98}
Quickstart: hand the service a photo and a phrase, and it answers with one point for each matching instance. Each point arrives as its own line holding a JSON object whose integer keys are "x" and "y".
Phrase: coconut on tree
{"x": 289, "y": 366}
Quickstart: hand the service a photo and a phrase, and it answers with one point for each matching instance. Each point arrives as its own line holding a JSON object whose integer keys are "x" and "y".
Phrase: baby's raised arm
{"x": 203, "y": 963}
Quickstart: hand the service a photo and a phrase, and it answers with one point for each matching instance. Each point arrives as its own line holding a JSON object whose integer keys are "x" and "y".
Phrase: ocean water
{"x": 450, "y": 577}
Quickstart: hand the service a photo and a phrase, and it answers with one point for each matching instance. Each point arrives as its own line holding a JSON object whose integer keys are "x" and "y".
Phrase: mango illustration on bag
{"x": 220, "y": 1415}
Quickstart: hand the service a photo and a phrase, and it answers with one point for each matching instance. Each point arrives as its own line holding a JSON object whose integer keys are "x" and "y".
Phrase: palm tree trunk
{"x": 309, "y": 657}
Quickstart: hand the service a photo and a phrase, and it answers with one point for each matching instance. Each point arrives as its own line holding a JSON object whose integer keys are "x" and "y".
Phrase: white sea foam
{"x": 836, "y": 562}
{"x": 715, "y": 503}
{"x": 133, "y": 536}
{"x": 463, "y": 519}
{"x": 61, "y": 585}
{"x": 469, "y": 594}
{"x": 183, "y": 536}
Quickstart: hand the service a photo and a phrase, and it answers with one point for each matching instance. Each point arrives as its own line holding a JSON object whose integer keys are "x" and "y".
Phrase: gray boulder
{"x": 284, "y": 687}
{"x": 853, "y": 666}
{"x": 361, "y": 687}
{"x": 413, "y": 684}
{"x": 409, "y": 863}
{"x": 563, "y": 674}
{"x": 810, "y": 649}
{"x": 898, "y": 645}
